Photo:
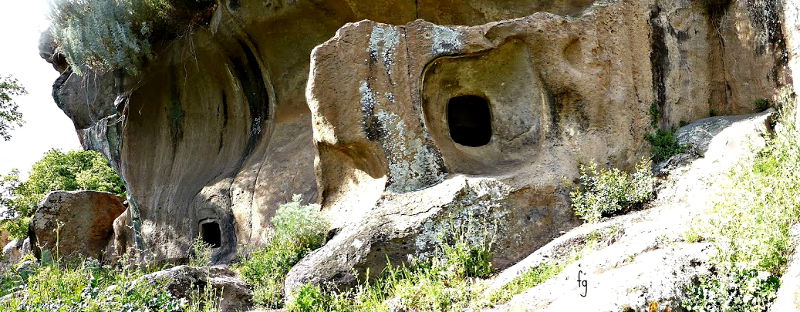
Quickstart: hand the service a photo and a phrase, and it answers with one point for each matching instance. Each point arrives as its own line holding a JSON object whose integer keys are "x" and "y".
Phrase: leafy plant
{"x": 10, "y": 117}
{"x": 603, "y": 192}
{"x": 664, "y": 145}
{"x": 75, "y": 170}
{"x": 762, "y": 105}
{"x": 298, "y": 229}
{"x": 748, "y": 290}
{"x": 446, "y": 281}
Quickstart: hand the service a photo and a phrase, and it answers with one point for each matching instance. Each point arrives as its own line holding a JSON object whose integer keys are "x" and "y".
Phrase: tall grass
{"x": 749, "y": 227}
{"x": 87, "y": 286}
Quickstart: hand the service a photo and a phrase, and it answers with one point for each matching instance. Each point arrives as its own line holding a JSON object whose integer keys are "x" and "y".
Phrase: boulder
{"x": 75, "y": 224}
{"x": 183, "y": 280}
{"x": 15, "y": 250}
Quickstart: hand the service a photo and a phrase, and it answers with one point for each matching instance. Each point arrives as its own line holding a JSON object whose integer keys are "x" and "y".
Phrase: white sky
{"x": 46, "y": 127}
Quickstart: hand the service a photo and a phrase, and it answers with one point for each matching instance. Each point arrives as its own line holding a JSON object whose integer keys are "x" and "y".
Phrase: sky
{"x": 46, "y": 127}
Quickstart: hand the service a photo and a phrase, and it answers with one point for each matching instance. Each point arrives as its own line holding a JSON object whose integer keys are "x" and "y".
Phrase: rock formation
{"x": 400, "y": 125}
{"x": 75, "y": 224}
{"x": 185, "y": 281}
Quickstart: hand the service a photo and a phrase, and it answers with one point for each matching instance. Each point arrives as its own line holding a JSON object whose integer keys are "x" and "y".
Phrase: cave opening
{"x": 211, "y": 233}
{"x": 470, "y": 120}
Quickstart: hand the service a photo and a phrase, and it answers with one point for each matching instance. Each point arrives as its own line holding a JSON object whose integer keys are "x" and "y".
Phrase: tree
{"x": 10, "y": 117}
{"x": 56, "y": 171}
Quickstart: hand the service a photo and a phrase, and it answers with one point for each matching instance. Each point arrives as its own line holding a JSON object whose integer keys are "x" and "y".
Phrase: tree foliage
{"x": 70, "y": 171}
{"x": 10, "y": 117}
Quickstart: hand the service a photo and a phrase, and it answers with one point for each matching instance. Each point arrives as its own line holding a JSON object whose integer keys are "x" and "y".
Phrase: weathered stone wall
{"x": 218, "y": 126}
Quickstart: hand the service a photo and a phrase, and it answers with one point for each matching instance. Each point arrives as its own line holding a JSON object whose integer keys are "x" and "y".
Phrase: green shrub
{"x": 602, "y": 192}
{"x": 664, "y": 145}
{"x": 467, "y": 260}
{"x": 655, "y": 115}
{"x": 749, "y": 225}
{"x": 298, "y": 229}
{"x": 762, "y": 105}
{"x": 108, "y": 35}
{"x": 56, "y": 171}
{"x": 310, "y": 298}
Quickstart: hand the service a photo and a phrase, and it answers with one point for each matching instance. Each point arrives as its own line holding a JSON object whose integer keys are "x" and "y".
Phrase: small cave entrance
{"x": 470, "y": 120}
{"x": 211, "y": 233}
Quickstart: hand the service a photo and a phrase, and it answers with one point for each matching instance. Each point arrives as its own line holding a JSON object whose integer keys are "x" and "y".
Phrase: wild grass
{"x": 298, "y": 229}
{"x": 749, "y": 227}
{"x": 87, "y": 286}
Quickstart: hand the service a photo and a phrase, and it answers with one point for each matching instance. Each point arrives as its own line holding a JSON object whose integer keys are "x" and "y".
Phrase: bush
{"x": 664, "y": 145}
{"x": 108, "y": 35}
{"x": 56, "y": 171}
{"x": 655, "y": 115}
{"x": 762, "y": 105}
{"x": 603, "y": 192}
{"x": 298, "y": 229}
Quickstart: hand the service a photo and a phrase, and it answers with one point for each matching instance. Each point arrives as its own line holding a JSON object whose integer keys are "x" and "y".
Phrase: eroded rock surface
{"x": 648, "y": 259}
{"x": 183, "y": 281}
{"x": 75, "y": 224}
{"x": 229, "y": 121}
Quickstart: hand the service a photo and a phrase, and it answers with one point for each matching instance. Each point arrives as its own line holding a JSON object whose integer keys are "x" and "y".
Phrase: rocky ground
{"x": 644, "y": 257}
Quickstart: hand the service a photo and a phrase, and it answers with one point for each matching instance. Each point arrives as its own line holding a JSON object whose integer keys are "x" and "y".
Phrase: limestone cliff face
{"x": 228, "y": 122}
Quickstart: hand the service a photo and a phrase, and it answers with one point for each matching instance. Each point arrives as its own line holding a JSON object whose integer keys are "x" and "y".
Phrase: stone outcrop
{"x": 182, "y": 281}
{"x": 643, "y": 258}
{"x": 15, "y": 250}
{"x": 228, "y": 122}
{"x": 75, "y": 224}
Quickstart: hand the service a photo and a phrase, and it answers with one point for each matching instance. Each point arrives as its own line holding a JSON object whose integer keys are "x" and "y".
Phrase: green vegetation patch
{"x": 299, "y": 229}
{"x": 664, "y": 145}
{"x": 531, "y": 278}
{"x": 603, "y": 192}
{"x": 90, "y": 287}
{"x": 436, "y": 284}
{"x": 748, "y": 226}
